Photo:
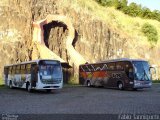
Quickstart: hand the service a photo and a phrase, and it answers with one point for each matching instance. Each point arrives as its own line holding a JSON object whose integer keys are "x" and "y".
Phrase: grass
{"x": 156, "y": 81}
{"x": 116, "y": 19}
{"x": 74, "y": 80}
{"x": 1, "y": 82}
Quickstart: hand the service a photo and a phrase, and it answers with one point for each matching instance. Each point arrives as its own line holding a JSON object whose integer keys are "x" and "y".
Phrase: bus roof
{"x": 121, "y": 59}
{"x": 116, "y": 60}
{"x": 33, "y": 61}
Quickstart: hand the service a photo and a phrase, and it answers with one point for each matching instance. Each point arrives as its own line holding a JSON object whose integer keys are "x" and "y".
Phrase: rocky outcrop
{"x": 15, "y": 33}
{"x": 45, "y": 53}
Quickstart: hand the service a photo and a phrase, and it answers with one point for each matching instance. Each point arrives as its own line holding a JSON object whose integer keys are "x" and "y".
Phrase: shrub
{"x": 105, "y": 2}
{"x": 156, "y": 81}
{"x": 150, "y": 32}
{"x": 132, "y": 9}
{"x": 1, "y": 81}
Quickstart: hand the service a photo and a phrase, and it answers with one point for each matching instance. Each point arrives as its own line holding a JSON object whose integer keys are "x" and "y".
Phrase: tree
{"x": 146, "y": 13}
{"x": 122, "y": 4}
{"x": 156, "y": 15}
{"x": 132, "y": 9}
{"x": 115, "y": 3}
{"x": 150, "y": 32}
{"x": 105, "y": 2}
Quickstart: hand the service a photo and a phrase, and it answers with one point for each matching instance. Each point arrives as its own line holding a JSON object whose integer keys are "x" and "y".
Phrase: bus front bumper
{"x": 49, "y": 86}
{"x": 142, "y": 84}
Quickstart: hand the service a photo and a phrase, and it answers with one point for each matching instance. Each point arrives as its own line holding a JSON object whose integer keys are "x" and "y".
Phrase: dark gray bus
{"x": 118, "y": 73}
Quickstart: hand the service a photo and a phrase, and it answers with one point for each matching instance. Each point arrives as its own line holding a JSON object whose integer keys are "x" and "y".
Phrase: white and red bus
{"x": 118, "y": 73}
{"x": 42, "y": 74}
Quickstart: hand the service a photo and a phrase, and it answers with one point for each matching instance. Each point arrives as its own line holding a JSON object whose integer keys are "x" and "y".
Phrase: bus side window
{"x": 90, "y": 68}
{"x": 105, "y": 67}
{"x": 10, "y": 70}
{"x": 22, "y": 69}
{"x": 120, "y": 66}
{"x": 101, "y": 66}
{"x": 14, "y": 70}
{"x": 111, "y": 66}
{"x": 28, "y": 68}
{"x": 129, "y": 69}
{"x": 80, "y": 69}
{"x": 85, "y": 68}
{"x": 35, "y": 68}
{"x": 17, "y": 69}
{"x": 97, "y": 66}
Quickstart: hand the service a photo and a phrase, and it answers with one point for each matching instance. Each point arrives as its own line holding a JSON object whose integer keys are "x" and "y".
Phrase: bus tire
{"x": 120, "y": 85}
{"x": 134, "y": 89}
{"x": 10, "y": 84}
{"x": 28, "y": 87}
{"x": 88, "y": 83}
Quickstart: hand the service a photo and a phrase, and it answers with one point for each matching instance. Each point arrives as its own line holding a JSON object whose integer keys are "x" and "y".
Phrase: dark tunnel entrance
{"x": 55, "y": 37}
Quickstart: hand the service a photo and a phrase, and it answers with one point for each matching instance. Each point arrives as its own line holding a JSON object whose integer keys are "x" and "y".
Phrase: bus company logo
{"x": 116, "y": 75}
{"x": 9, "y": 117}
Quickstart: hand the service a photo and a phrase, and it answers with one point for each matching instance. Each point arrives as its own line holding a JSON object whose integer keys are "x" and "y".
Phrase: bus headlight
{"x": 150, "y": 83}
{"x": 136, "y": 83}
{"x": 130, "y": 82}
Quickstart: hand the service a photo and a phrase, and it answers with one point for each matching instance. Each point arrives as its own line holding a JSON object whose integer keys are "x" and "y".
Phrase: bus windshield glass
{"x": 50, "y": 70}
{"x": 141, "y": 70}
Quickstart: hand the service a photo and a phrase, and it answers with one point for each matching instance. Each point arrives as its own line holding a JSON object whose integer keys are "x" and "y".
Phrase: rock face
{"x": 94, "y": 39}
{"x": 15, "y": 33}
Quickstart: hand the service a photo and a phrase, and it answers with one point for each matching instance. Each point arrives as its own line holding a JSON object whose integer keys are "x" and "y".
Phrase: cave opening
{"x": 55, "y": 38}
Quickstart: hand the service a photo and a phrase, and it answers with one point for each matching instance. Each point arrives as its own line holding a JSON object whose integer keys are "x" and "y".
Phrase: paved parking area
{"x": 80, "y": 100}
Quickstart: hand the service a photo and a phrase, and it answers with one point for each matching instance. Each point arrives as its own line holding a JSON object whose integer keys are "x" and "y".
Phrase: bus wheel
{"x": 28, "y": 87}
{"x": 120, "y": 86}
{"x": 134, "y": 89}
{"x": 88, "y": 84}
{"x": 10, "y": 84}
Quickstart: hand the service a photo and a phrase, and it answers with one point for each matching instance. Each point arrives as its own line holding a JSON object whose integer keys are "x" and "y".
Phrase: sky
{"x": 151, "y": 4}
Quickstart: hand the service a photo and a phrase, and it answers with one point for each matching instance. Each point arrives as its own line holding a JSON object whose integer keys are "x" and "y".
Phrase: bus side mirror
{"x": 152, "y": 71}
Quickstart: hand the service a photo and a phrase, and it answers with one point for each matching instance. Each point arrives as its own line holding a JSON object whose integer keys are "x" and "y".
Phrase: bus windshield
{"x": 50, "y": 71}
{"x": 141, "y": 70}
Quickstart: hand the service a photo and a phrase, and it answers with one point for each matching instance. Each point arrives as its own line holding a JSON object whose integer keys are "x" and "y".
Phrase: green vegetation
{"x": 1, "y": 81}
{"x": 128, "y": 26}
{"x": 74, "y": 80}
{"x": 115, "y": 19}
{"x": 156, "y": 81}
{"x": 132, "y": 9}
{"x": 151, "y": 32}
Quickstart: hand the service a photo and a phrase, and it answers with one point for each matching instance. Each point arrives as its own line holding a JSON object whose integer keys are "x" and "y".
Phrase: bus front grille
{"x": 51, "y": 81}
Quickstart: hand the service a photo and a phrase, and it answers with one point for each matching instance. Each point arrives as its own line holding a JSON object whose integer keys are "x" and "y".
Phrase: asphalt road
{"x": 80, "y": 100}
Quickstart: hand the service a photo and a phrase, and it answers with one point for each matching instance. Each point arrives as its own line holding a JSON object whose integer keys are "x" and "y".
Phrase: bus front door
{"x": 34, "y": 75}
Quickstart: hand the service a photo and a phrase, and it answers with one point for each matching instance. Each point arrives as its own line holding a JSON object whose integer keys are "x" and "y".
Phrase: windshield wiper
{"x": 144, "y": 74}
